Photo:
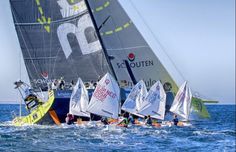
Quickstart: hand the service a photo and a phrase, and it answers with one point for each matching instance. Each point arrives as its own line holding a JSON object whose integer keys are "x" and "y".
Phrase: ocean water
{"x": 214, "y": 134}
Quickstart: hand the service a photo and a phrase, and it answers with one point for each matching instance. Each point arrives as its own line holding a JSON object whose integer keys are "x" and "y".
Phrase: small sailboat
{"x": 182, "y": 102}
{"x": 135, "y": 99}
{"x": 79, "y": 100}
{"x": 154, "y": 103}
{"x": 105, "y": 100}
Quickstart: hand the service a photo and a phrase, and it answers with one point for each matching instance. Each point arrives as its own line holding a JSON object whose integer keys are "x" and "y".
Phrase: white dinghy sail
{"x": 106, "y": 97}
{"x": 135, "y": 99}
{"x": 79, "y": 100}
{"x": 182, "y": 102}
{"x": 154, "y": 103}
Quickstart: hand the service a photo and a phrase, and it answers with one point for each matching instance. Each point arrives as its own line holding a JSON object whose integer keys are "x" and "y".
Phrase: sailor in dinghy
{"x": 182, "y": 104}
{"x": 135, "y": 100}
{"x": 154, "y": 104}
{"x": 105, "y": 100}
{"x": 79, "y": 102}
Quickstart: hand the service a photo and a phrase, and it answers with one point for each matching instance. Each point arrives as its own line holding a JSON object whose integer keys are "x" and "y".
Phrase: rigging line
{"x": 93, "y": 65}
{"x": 14, "y": 16}
{"x": 43, "y": 63}
{"x": 44, "y": 53}
{"x": 13, "y": 12}
{"x": 54, "y": 64}
{"x": 158, "y": 42}
{"x": 20, "y": 63}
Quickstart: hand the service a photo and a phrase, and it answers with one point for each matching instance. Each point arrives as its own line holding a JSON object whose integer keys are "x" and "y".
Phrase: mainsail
{"x": 182, "y": 102}
{"x": 58, "y": 39}
{"x": 155, "y": 102}
{"x": 79, "y": 100}
{"x": 135, "y": 99}
{"x": 105, "y": 100}
{"x": 124, "y": 42}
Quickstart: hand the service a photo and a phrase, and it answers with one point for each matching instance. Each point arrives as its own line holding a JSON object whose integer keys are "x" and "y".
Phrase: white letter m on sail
{"x": 84, "y": 31}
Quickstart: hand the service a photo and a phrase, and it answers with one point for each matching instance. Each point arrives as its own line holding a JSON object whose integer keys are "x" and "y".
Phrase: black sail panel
{"x": 123, "y": 41}
{"x": 58, "y": 39}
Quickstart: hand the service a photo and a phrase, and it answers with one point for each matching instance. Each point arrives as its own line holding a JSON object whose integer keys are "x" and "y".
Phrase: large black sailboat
{"x": 86, "y": 39}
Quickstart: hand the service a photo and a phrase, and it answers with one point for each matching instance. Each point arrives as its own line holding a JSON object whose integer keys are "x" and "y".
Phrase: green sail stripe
{"x": 100, "y": 8}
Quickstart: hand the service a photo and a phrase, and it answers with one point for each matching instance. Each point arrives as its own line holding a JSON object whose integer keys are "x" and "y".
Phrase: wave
{"x": 221, "y": 132}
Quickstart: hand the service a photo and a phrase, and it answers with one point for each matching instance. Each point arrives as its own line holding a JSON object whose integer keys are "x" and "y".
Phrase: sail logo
{"x": 152, "y": 97}
{"x": 131, "y": 57}
{"x": 63, "y": 94}
{"x": 130, "y": 103}
{"x": 135, "y": 64}
{"x": 107, "y": 81}
{"x": 149, "y": 82}
{"x": 84, "y": 31}
{"x": 139, "y": 64}
{"x": 101, "y": 93}
{"x": 134, "y": 94}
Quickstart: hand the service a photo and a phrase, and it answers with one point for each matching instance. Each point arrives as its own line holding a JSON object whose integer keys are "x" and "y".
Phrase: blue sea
{"x": 214, "y": 134}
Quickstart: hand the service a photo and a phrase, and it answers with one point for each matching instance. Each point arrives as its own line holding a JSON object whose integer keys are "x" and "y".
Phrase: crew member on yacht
{"x": 72, "y": 84}
{"x": 62, "y": 84}
{"x": 69, "y": 119}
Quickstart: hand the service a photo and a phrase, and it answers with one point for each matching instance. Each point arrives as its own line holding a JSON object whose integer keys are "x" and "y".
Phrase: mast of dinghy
{"x": 108, "y": 58}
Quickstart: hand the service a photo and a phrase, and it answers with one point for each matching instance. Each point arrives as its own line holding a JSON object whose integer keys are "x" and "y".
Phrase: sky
{"x": 194, "y": 39}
